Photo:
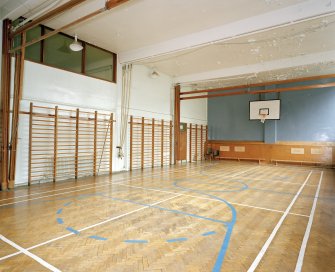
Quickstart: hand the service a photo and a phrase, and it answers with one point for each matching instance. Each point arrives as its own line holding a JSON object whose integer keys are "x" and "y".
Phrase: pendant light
{"x": 76, "y": 46}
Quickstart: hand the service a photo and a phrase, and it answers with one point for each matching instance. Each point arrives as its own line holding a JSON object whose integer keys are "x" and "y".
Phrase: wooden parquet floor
{"x": 218, "y": 216}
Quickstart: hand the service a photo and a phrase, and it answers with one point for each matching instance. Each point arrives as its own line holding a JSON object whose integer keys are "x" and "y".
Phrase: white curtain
{"x": 126, "y": 86}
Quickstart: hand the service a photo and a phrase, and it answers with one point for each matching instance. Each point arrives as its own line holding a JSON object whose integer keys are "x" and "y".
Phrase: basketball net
{"x": 263, "y": 117}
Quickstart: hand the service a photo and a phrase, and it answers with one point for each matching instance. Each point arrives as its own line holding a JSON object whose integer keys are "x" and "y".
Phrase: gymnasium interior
{"x": 155, "y": 135}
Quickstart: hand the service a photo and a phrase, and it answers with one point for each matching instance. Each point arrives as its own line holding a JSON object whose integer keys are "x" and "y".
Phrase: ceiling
{"x": 203, "y": 43}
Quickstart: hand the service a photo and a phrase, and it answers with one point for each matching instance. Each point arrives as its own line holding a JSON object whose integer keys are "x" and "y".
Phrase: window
{"x": 54, "y": 51}
{"x": 33, "y": 52}
{"x": 58, "y": 54}
{"x": 99, "y": 63}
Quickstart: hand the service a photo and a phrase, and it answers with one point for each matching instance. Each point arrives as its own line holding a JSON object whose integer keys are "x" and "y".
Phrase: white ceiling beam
{"x": 284, "y": 16}
{"x": 306, "y": 60}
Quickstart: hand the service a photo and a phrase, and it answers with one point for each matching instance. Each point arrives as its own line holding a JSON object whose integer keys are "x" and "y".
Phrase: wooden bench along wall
{"x": 281, "y": 152}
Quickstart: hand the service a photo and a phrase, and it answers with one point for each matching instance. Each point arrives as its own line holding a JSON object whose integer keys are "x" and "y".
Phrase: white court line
{"x": 104, "y": 184}
{"x": 41, "y": 193}
{"x": 308, "y": 229}
{"x": 212, "y": 199}
{"x": 255, "y": 179}
{"x": 275, "y": 230}
{"x": 88, "y": 227}
{"x": 95, "y": 186}
{"x": 314, "y": 168}
{"x": 29, "y": 254}
{"x": 176, "y": 170}
{"x": 239, "y": 173}
{"x": 41, "y": 197}
{"x": 276, "y": 181}
{"x": 83, "y": 185}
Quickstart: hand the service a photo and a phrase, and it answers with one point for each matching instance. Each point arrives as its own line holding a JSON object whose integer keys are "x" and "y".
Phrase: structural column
{"x": 5, "y": 102}
{"x": 18, "y": 86}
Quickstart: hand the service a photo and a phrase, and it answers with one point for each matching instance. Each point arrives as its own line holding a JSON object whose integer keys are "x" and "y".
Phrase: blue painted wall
{"x": 228, "y": 119}
{"x": 305, "y": 116}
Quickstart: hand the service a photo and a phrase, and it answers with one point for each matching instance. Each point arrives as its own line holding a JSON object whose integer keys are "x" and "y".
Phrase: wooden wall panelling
{"x": 205, "y": 141}
{"x": 30, "y": 141}
{"x": 131, "y": 143}
{"x": 162, "y": 143}
{"x": 170, "y": 142}
{"x": 201, "y": 143}
{"x": 196, "y": 143}
{"x": 190, "y": 144}
{"x": 197, "y": 136}
{"x": 111, "y": 133}
{"x": 142, "y": 143}
{"x": 76, "y": 145}
{"x": 66, "y": 144}
{"x": 150, "y": 142}
{"x": 158, "y": 143}
{"x": 87, "y": 144}
{"x": 95, "y": 144}
{"x": 78, "y": 142}
{"x": 153, "y": 142}
{"x": 42, "y": 144}
{"x": 55, "y": 143}
{"x": 104, "y": 142}
{"x": 280, "y": 152}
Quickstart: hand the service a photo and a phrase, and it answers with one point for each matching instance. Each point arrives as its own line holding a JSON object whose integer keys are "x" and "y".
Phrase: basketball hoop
{"x": 263, "y": 113}
{"x": 262, "y": 117}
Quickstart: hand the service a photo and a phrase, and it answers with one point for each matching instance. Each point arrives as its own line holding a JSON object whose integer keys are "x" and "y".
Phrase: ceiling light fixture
{"x": 154, "y": 74}
{"x": 76, "y": 46}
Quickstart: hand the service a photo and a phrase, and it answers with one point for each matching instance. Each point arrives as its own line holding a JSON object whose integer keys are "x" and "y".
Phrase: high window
{"x": 54, "y": 51}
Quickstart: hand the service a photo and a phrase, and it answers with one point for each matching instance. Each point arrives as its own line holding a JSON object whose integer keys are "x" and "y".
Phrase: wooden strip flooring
{"x": 197, "y": 217}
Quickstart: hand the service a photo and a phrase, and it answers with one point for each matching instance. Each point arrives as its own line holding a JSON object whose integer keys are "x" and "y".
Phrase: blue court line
{"x": 277, "y": 192}
{"x": 229, "y": 225}
{"x": 136, "y": 241}
{"x": 208, "y": 233}
{"x": 225, "y": 183}
{"x": 67, "y": 204}
{"x": 150, "y": 206}
{"x": 168, "y": 210}
{"x": 59, "y": 211}
{"x": 73, "y": 230}
{"x": 96, "y": 237}
{"x": 182, "y": 239}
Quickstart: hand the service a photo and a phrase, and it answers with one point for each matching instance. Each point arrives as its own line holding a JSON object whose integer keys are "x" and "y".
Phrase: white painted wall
{"x": 155, "y": 98}
{"x": 152, "y": 98}
{"x": 47, "y": 86}
{"x": 55, "y": 86}
{"x": 194, "y": 110}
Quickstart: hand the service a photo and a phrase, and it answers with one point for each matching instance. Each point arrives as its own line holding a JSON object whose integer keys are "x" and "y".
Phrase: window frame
{"x": 83, "y": 56}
